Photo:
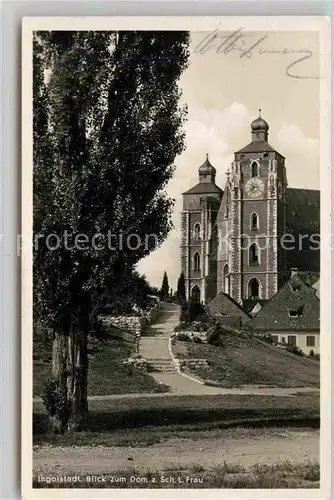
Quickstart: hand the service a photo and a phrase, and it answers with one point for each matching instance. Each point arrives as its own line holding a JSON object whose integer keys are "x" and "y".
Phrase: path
{"x": 247, "y": 448}
{"x": 153, "y": 346}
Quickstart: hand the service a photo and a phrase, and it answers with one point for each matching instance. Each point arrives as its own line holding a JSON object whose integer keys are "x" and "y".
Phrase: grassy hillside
{"x": 241, "y": 359}
{"x": 106, "y": 375}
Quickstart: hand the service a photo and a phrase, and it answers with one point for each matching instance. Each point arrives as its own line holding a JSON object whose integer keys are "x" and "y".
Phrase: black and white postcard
{"x": 176, "y": 257}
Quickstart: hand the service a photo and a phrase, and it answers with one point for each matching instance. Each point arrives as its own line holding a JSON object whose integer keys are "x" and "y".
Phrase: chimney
{"x": 293, "y": 271}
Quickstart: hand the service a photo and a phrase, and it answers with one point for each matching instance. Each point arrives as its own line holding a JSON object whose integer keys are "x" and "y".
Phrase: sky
{"x": 224, "y": 92}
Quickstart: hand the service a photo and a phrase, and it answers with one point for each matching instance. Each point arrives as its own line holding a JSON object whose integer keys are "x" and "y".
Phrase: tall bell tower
{"x": 199, "y": 236}
{"x": 255, "y": 264}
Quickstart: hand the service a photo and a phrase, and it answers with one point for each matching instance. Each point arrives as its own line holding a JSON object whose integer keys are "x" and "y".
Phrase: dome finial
{"x": 207, "y": 156}
{"x": 260, "y": 112}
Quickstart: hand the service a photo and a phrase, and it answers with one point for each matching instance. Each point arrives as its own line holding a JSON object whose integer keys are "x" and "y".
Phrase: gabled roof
{"x": 274, "y": 315}
{"x": 204, "y": 188}
{"x": 224, "y": 305}
{"x": 257, "y": 147}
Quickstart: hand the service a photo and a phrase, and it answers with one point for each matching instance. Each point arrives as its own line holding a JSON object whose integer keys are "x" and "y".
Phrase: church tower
{"x": 251, "y": 221}
{"x": 199, "y": 235}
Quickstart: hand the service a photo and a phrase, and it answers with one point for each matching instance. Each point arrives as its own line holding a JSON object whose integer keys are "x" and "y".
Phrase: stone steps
{"x": 161, "y": 365}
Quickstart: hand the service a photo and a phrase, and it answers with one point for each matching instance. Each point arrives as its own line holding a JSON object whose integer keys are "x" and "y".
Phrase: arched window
{"x": 196, "y": 294}
{"x": 253, "y": 289}
{"x": 254, "y": 169}
{"x": 226, "y": 282}
{"x": 197, "y": 261}
{"x": 254, "y": 259}
{"x": 197, "y": 231}
{"x": 254, "y": 221}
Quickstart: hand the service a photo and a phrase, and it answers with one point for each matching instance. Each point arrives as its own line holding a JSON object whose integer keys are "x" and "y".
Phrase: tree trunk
{"x": 69, "y": 371}
{"x": 77, "y": 380}
{"x": 58, "y": 418}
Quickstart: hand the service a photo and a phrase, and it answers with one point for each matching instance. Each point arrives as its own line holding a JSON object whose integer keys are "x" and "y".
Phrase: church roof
{"x": 303, "y": 208}
{"x": 303, "y": 218}
{"x": 204, "y": 188}
{"x": 294, "y": 297}
{"x": 257, "y": 147}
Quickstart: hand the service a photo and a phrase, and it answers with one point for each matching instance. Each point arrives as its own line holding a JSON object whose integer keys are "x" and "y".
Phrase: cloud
{"x": 293, "y": 140}
{"x": 302, "y": 157}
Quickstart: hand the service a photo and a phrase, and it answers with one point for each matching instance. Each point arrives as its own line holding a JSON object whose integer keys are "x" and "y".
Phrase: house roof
{"x": 249, "y": 304}
{"x": 257, "y": 147}
{"x": 224, "y": 305}
{"x": 316, "y": 286}
{"x": 303, "y": 208}
{"x": 274, "y": 315}
{"x": 204, "y": 188}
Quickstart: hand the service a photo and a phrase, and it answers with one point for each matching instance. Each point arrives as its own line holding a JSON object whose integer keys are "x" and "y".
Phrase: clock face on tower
{"x": 254, "y": 187}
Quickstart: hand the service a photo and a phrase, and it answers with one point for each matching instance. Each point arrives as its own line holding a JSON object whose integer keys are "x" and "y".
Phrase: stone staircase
{"x": 161, "y": 365}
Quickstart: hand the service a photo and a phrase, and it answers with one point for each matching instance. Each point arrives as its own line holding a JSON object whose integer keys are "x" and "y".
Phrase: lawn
{"x": 280, "y": 475}
{"x": 155, "y": 419}
{"x": 241, "y": 360}
{"x": 106, "y": 374}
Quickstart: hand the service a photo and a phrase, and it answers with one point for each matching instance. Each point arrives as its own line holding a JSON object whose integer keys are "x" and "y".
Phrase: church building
{"x": 244, "y": 240}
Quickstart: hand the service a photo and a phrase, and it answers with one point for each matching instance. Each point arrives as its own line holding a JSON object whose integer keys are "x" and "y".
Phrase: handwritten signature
{"x": 238, "y": 42}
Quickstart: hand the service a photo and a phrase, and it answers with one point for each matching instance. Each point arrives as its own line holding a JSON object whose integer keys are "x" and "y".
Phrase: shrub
{"x": 197, "y": 340}
{"x": 56, "y": 402}
{"x": 190, "y": 311}
{"x": 183, "y": 337}
{"x": 295, "y": 350}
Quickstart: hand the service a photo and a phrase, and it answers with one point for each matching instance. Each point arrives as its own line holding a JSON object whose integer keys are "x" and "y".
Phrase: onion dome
{"x": 207, "y": 168}
{"x": 259, "y": 124}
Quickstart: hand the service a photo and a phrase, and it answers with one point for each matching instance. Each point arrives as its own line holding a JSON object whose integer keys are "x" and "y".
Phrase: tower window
{"x": 254, "y": 255}
{"x": 254, "y": 221}
{"x": 197, "y": 262}
{"x": 197, "y": 231}
{"x": 254, "y": 169}
{"x": 253, "y": 289}
{"x": 226, "y": 284}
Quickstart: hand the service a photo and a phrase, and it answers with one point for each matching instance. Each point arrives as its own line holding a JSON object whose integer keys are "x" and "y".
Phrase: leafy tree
{"x": 191, "y": 310}
{"x": 132, "y": 289}
{"x": 181, "y": 288}
{"x": 106, "y": 123}
{"x": 164, "y": 291}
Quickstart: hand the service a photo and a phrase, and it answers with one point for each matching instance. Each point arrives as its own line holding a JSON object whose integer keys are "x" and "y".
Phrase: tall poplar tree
{"x": 181, "y": 288}
{"x": 164, "y": 287}
{"x": 107, "y": 128}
